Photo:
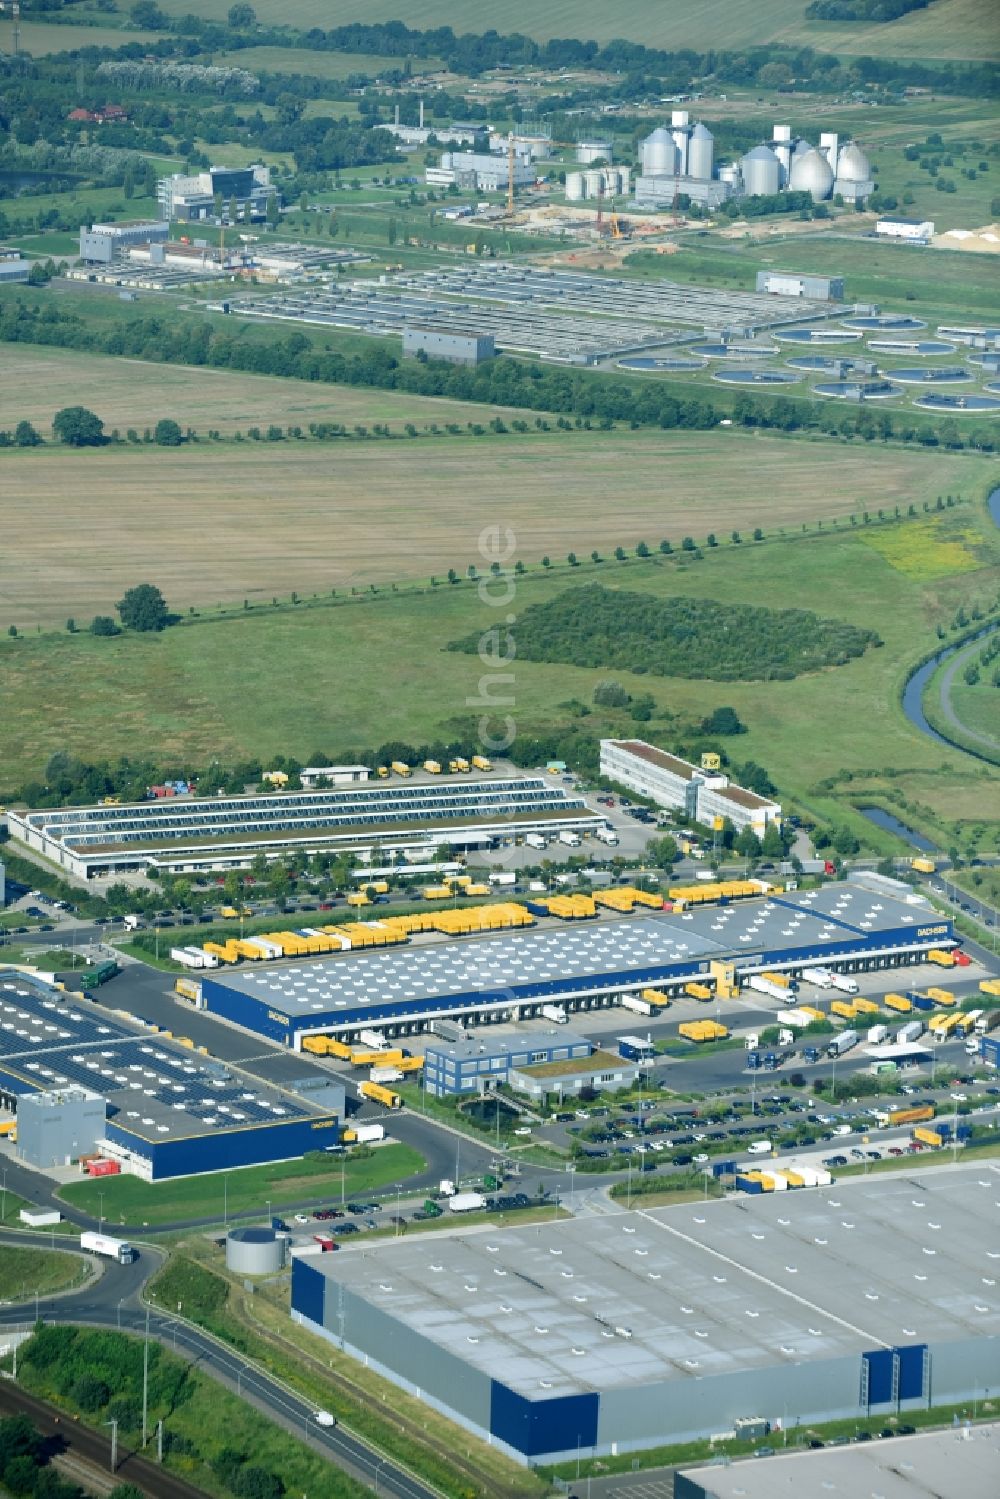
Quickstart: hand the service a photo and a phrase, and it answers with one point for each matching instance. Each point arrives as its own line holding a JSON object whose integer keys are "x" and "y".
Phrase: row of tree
{"x": 79, "y": 427}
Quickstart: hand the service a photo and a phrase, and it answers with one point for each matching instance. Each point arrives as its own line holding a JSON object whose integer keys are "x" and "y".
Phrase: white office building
{"x": 703, "y": 795}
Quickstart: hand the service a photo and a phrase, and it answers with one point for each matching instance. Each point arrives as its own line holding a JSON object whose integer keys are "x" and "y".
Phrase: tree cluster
{"x": 681, "y": 636}
{"x": 25, "y": 1469}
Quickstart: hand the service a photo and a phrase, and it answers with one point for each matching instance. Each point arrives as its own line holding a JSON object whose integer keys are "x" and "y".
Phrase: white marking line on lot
{"x": 765, "y": 1280}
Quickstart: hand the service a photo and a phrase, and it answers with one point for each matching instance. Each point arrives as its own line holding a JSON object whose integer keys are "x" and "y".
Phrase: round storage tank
{"x": 811, "y": 173}
{"x": 658, "y": 154}
{"x": 254, "y": 1251}
{"x": 595, "y": 150}
{"x": 625, "y": 179}
{"x": 593, "y": 181}
{"x": 761, "y": 172}
{"x": 852, "y": 164}
{"x": 701, "y": 153}
{"x": 575, "y": 187}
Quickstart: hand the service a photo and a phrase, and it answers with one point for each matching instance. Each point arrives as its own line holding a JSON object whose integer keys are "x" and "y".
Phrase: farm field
{"x": 313, "y": 64}
{"x": 376, "y": 668}
{"x": 135, "y": 393}
{"x": 40, "y": 39}
{"x": 213, "y": 524}
{"x": 950, "y": 28}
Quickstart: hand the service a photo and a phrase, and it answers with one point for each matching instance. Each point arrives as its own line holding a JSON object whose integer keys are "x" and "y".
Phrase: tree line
{"x": 500, "y": 382}
{"x": 26, "y": 1469}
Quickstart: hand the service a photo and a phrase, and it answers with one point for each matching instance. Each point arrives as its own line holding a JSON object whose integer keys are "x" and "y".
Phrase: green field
{"x": 40, "y": 39}
{"x": 376, "y": 669}
{"x": 949, "y": 28}
{"x": 23, "y": 1272}
{"x": 313, "y": 64}
{"x": 126, "y": 1199}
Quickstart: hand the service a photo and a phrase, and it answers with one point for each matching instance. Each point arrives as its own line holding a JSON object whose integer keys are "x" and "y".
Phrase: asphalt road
{"x": 113, "y": 1301}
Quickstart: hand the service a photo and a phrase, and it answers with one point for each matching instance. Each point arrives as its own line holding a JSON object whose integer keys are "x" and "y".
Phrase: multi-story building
{"x": 103, "y": 243}
{"x": 239, "y": 193}
{"x": 703, "y": 795}
{"x": 478, "y": 1066}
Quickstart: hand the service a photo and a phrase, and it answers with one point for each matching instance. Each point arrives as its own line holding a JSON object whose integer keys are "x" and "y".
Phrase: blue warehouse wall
{"x": 308, "y": 1291}
{"x": 537, "y": 1427}
{"x": 241, "y": 1009}
{"x": 253, "y": 1146}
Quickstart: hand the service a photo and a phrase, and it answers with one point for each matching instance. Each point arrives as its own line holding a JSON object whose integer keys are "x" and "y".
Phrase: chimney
{"x": 421, "y": 114}
{"x": 396, "y": 120}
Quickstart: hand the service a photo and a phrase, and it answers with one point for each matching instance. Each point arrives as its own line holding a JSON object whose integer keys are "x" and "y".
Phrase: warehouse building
{"x": 166, "y": 1110}
{"x": 474, "y": 1066}
{"x": 102, "y": 244}
{"x": 14, "y": 272}
{"x": 613, "y": 1334}
{"x": 514, "y": 975}
{"x": 186, "y": 836}
{"x": 672, "y": 782}
{"x": 456, "y": 348}
{"x": 481, "y": 171}
{"x": 959, "y": 1462}
{"x": 911, "y": 231}
{"x": 791, "y": 284}
{"x": 333, "y": 775}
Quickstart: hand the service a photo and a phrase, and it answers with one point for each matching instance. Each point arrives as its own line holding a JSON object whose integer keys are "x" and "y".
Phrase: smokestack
{"x": 421, "y": 114}
{"x": 396, "y": 119}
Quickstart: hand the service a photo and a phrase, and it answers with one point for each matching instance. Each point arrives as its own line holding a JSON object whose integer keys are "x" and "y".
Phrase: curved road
{"x": 114, "y": 1301}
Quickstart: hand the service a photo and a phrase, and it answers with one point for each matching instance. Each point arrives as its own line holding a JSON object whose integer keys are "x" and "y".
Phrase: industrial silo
{"x": 446, "y": 161}
{"x": 625, "y": 179}
{"x": 255, "y": 1251}
{"x": 811, "y": 173}
{"x": 593, "y": 181}
{"x": 575, "y": 187}
{"x": 852, "y": 164}
{"x": 594, "y": 150}
{"x": 680, "y": 130}
{"x": 761, "y": 172}
{"x": 701, "y": 153}
{"x": 658, "y": 154}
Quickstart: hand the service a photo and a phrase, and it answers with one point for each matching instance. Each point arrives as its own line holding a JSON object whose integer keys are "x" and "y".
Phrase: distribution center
{"x": 585, "y": 966}
{"x": 616, "y": 1333}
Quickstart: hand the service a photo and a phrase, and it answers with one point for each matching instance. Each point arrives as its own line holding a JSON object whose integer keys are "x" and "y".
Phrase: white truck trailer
{"x": 535, "y": 840}
{"x": 466, "y": 1202}
{"x": 761, "y": 985}
{"x": 636, "y": 1005}
{"x": 821, "y": 977}
{"x": 844, "y": 983}
{"x": 555, "y": 1013}
{"x": 569, "y": 838}
{"x": 112, "y": 1249}
{"x": 606, "y": 834}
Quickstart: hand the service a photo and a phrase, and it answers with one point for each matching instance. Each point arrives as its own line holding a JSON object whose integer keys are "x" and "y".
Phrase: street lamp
{"x": 572, "y": 1188}
{"x": 100, "y": 1221}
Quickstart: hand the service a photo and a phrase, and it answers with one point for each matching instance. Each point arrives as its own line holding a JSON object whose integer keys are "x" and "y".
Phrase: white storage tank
{"x": 701, "y": 154}
{"x": 593, "y": 181}
{"x": 658, "y": 154}
{"x": 852, "y": 164}
{"x": 761, "y": 172}
{"x": 575, "y": 187}
{"x": 625, "y": 180}
{"x": 594, "y": 150}
{"x": 811, "y": 173}
{"x": 255, "y": 1251}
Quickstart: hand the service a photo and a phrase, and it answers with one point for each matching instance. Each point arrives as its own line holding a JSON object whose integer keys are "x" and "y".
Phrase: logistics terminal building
{"x": 190, "y": 836}
{"x": 615, "y": 1333}
{"x": 585, "y": 966}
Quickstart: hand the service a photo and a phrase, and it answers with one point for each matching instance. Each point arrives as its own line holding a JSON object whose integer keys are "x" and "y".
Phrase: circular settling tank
{"x": 918, "y": 376}
{"x": 847, "y": 390}
{"x": 959, "y": 405}
{"x": 922, "y": 347}
{"x": 821, "y": 364}
{"x": 900, "y": 321}
{"x": 817, "y": 336}
{"x": 647, "y": 362}
{"x": 755, "y": 377}
{"x": 734, "y": 350}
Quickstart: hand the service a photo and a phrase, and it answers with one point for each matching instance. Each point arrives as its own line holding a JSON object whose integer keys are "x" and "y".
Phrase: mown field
{"x": 343, "y": 675}
{"x": 134, "y": 393}
{"x": 313, "y": 64}
{"x": 213, "y": 524}
{"x": 949, "y": 28}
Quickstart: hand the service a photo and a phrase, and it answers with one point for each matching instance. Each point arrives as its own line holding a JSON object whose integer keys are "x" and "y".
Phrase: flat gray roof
{"x": 476, "y": 1048}
{"x": 710, "y": 1288}
{"x": 581, "y": 950}
{"x": 959, "y": 1463}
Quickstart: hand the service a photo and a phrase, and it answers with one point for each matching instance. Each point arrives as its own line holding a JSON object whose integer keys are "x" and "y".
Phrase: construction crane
{"x": 600, "y": 207}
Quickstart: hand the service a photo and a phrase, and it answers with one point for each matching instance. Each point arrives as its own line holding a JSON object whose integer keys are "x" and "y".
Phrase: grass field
{"x": 126, "y": 1199}
{"x": 133, "y": 393}
{"x": 950, "y": 28}
{"x": 23, "y": 1272}
{"x": 359, "y": 673}
{"x": 313, "y": 64}
{"x": 39, "y": 39}
{"x": 223, "y": 523}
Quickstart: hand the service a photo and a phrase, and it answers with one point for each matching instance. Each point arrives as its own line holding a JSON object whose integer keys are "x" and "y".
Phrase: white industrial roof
{"x": 712, "y": 1288}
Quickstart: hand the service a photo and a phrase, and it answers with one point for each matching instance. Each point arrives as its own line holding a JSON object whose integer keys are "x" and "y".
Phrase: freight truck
{"x": 569, "y": 838}
{"x": 466, "y": 1202}
{"x": 643, "y": 1007}
{"x": 535, "y": 840}
{"x": 555, "y": 1013}
{"x": 842, "y": 1043}
{"x": 821, "y": 977}
{"x": 112, "y": 1249}
{"x": 844, "y": 983}
{"x": 761, "y": 985}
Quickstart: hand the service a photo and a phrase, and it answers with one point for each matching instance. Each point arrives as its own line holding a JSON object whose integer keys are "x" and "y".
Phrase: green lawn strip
{"x": 284, "y": 1184}
{"x": 393, "y": 1422}
{"x": 25, "y": 1272}
{"x": 98, "y": 1374}
{"x": 12, "y": 1205}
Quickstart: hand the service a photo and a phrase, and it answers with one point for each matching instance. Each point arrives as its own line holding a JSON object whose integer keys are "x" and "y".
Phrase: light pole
{"x": 145, "y": 1381}
{"x": 572, "y": 1189}
{"x": 120, "y": 1313}
{"x": 114, "y": 1443}
{"x": 100, "y": 1221}
{"x": 3, "y": 1210}
{"x": 225, "y": 1200}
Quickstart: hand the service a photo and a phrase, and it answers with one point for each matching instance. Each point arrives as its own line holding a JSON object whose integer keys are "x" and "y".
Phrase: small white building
{"x": 906, "y": 229}
{"x": 333, "y": 775}
{"x": 702, "y": 795}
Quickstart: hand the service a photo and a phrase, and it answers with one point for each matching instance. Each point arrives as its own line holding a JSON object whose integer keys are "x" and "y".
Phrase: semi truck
{"x": 643, "y": 1007}
{"x": 112, "y": 1249}
{"x": 569, "y": 838}
{"x": 761, "y": 985}
{"x": 877, "y": 1034}
{"x": 844, "y": 983}
{"x": 466, "y": 1202}
{"x": 481, "y": 763}
{"x": 535, "y": 840}
{"x": 818, "y": 976}
{"x": 988, "y": 1021}
{"x": 555, "y": 1013}
{"x": 911, "y": 1031}
{"x": 890, "y": 1118}
{"x": 842, "y": 1043}
{"x": 810, "y": 1053}
{"x": 606, "y": 834}
{"x": 378, "y": 1094}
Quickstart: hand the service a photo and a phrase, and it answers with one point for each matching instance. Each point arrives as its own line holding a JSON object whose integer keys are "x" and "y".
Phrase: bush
{"x": 103, "y": 624}
{"x": 167, "y": 434}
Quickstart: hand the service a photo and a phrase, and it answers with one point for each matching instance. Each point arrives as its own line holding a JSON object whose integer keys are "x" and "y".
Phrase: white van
{"x": 759, "y": 1147}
